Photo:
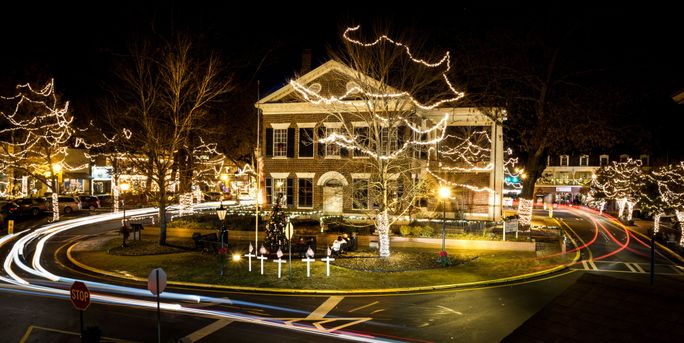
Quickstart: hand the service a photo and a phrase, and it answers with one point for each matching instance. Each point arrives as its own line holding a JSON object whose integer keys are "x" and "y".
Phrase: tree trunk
{"x": 382, "y": 223}
{"x": 162, "y": 211}
{"x": 534, "y": 167}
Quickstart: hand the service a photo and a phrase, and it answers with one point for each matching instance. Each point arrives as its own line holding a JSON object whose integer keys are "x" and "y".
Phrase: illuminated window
{"x": 331, "y": 149}
{"x": 305, "y": 193}
{"x": 584, "y": 160}
{"x": 564, "y": 160}
{"x": 280, "y": 142}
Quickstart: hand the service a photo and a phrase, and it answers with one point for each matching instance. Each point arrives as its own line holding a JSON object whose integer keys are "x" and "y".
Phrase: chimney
{"x": 306, "y": 62}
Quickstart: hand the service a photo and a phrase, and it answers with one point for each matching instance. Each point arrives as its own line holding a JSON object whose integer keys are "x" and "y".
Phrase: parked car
{"x": 67, "y": 204}
{"x": 32, "y": 206}
{"x": 8, "y": 209}
{"x": 106, "y": 200}
{"x": 216, "y": 196}
{"x": 90, "y": 202}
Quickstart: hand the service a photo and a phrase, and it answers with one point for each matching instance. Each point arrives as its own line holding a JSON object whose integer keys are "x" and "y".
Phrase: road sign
{"x": 10, "y": 226}
{"x": 157, "y": 274}
{"x": 80, "y": 295}
{"x": 289, "y": 230}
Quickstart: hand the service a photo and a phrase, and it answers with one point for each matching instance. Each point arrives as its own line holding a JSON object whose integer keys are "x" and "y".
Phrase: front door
{"x": 332, "y": 199}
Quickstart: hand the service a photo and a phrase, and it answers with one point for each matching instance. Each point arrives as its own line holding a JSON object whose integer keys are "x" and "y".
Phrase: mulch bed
{"x": 398, "y": 261}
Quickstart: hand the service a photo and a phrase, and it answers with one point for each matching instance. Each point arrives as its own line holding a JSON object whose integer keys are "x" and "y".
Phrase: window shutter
{"x": 290, "y": 192}
{"x": 269, "y": 142}
{"x": 290, "y": 142}
{"x": 401, "y": 131}
{"x": 321, "y": 146}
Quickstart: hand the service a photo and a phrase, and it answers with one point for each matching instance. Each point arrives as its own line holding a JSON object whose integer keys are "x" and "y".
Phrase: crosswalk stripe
{"x": 584, "y": 264}
{"x": 638, "y": 267}
{"x": 630, "y": 267}
{"x": 593, "y": 265}
{"x": 676, "y": 270}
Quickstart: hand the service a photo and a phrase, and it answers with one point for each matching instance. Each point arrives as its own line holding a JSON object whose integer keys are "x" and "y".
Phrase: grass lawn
{"x": 407, "y": 267}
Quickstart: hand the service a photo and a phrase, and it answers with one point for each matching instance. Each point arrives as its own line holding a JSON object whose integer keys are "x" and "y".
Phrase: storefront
{"x": 101, "y": 182}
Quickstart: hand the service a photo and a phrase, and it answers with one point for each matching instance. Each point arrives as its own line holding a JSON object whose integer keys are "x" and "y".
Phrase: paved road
{"x": 470, "y": 315}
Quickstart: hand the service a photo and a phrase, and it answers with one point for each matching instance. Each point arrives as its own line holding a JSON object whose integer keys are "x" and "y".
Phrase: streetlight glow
{"x": 444, "y": 192}
{"x": 124, "y": 187}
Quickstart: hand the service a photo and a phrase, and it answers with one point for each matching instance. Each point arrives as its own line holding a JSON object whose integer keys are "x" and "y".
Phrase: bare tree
{"x": 382, "y": 117}
{"x": 163, "y": 99}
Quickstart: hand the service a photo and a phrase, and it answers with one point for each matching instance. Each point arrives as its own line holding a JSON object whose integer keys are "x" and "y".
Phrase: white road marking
{"x": 450, "y": 310}
{"x": 593, "y": 265}
{"x": 629, "y": 265}
{"x": 638, "y": 268}
{"x": 676, "y": 269}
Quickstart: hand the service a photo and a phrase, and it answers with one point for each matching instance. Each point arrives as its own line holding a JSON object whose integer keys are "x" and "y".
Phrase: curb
{"x": 269, "y": 290}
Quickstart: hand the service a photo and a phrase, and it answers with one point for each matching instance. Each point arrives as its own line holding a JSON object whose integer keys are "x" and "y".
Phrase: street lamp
{"x": 124, "y": 187}
{"x": 444, "y": 194}
{"x": 221, "y": 212}
{"x": 124, "y": 229}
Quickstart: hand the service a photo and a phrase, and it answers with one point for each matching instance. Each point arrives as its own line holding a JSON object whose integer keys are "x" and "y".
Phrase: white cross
{"x": 262, "y": 258}
{"x": 249, "y": 258}
{"x": 327, "y": 260}
{"x": 308, "y": 261}
{"x": 279, "y": 261}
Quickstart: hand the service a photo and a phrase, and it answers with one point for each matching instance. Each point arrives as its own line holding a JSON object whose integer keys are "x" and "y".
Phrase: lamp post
{"x": 124, "y": 229}
{"x": 444, "y": 194}
{"x": 224, "y": 181}
{"x": 221, "y": 212}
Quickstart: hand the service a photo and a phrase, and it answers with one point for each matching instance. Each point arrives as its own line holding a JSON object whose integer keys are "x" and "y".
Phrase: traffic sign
{"x": 10, "y": 226}
{"x": 289, "y": 230}
{"x": 80, "y": 295}
{"x": 157, "y": 274}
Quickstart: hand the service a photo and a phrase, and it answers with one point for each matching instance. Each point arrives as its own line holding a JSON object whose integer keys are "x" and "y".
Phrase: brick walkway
{"x": 599, "y": 308}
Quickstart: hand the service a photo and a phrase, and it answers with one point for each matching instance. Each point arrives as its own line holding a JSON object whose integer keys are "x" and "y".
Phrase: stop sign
{"x": 80, "y": 295}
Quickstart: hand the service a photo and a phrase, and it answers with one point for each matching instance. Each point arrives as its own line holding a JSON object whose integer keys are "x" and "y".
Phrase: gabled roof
{"x": 329, "y": 67}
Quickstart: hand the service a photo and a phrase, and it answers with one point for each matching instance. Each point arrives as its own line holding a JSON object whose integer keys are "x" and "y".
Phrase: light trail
{"x": 42, "y": 235}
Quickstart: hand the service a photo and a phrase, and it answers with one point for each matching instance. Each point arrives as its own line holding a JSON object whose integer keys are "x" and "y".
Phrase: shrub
{"x": 427, "y": 231}
{"x": 405, "y": 230}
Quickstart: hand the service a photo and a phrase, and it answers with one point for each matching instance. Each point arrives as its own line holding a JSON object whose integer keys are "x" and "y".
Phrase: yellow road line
{"x": 325, "y": 307}
{"x": 206, "y": 331}
{"x": 593, "y": 265}
{"x": 364, "y": 306}
{"x": 27, "y": 334}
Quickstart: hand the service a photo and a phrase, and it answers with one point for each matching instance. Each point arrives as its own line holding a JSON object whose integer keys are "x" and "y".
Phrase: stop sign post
{"x": 80, "y": 298}
{"x": 156, "y": 283}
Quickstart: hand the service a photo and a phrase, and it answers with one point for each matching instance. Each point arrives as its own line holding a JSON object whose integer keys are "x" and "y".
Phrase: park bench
{"x": 208, "y": 243}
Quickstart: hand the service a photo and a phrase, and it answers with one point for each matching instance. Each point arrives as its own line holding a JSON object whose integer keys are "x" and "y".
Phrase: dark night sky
{"x": 75, "y": 43}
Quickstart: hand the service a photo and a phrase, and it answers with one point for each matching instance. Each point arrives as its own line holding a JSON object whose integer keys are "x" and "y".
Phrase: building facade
{"x": 314, "y": 176}
{"x": 567, "y": 178}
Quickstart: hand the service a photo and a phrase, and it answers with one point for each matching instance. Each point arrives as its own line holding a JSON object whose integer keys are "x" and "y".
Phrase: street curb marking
{"x": 328, "y": 291}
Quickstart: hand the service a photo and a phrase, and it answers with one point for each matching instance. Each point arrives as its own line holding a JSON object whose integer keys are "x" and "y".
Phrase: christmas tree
{"x": 275, "y": 230}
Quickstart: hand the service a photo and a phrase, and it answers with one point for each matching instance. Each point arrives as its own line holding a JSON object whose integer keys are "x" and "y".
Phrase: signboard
{"x": 289, "y": 230}
{"x": 564, "y": 189}
{"x": 10, "y": 226}
{"x": 511, "y": 225}
{"x": 157, "y": 277}
{"x": 80, "y": 295}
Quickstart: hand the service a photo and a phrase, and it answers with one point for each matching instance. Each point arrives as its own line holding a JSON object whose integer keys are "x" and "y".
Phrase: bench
{"x": 207, "y": 243}
{"x": 304, "y": 244}
{"x": 135, "y": 229}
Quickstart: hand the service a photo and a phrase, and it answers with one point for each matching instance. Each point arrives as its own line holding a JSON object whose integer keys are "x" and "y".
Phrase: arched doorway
{"x": 333, "y": 191}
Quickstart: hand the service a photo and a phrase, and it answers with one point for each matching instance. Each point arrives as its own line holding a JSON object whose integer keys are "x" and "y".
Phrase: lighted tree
{"x": 538, "y": 74}
{"x": 381, "y": 118}
{"x": 275, "y": 230}
{"x": 35, "y": 134}
{"x": 621, "y": 182}
{"x": 670, "y": 181}
{"x": 651, "y": 199}
{"x": 164, "y": 96}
